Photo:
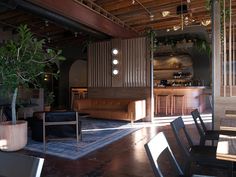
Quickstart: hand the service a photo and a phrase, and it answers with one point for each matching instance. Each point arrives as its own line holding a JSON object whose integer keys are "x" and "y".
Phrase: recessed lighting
{"x": 168, "y": 30}
{"x": 165, "y": 13}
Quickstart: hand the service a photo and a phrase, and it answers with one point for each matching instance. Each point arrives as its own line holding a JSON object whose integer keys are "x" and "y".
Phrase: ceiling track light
{"x": 148, "y": 11}
{"x": 206, "y": 22}
{"x": 165, "y": 13}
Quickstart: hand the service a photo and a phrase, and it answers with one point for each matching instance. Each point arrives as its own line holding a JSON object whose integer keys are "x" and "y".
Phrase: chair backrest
{"x": 199, "y": 122}
{"x": 178, "y": 128}
{"x": 16, "y": 165}
{"x": 156, "y": 147}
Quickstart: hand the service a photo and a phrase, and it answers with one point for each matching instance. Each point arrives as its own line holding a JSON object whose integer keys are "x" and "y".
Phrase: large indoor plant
{"x": 22, "y": 63}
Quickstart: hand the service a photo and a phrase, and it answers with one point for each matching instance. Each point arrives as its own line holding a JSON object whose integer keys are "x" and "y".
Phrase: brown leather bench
{"x": 108, "y": 108}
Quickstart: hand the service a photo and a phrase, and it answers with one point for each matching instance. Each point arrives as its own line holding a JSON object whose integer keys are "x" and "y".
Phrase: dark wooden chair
{"x": 206, "y": 134}
{"x": 201, "y": 155}
{"x": 158, "y": 146}
{"x": 16, "y": 165}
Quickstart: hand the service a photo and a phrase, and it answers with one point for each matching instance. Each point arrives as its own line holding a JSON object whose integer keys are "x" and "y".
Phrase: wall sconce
{"x": 115, "y": 62}
{"x": 115, "y": 71}
{"x": 115, "y": 51}
{"x": 45, "y": 77}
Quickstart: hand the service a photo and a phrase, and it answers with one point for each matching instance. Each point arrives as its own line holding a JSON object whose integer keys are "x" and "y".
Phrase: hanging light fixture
{"x": 165, "y": 13}
{"x": 151, "y": 16}
{"x": 206, "y": 22}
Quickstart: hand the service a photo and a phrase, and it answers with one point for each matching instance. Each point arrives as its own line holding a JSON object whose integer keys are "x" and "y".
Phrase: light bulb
{"x": 115, "y": 61}
{"x": 115, "y": 71}
{"x": 115, "y": 51}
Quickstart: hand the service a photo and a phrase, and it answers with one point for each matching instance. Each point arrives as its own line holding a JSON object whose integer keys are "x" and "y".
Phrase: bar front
{"x": 181, "y": 84}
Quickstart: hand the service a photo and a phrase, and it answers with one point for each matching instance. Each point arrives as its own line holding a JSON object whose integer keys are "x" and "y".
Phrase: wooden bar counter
{"x": 195, "y": 97}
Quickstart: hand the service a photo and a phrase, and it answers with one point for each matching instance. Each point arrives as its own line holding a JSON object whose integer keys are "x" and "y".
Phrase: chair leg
{"x": 187, "y": 166}
{"x": 44, "y": 133}
{"x": 202, "y": 141}
{"x": 77, "y": 128}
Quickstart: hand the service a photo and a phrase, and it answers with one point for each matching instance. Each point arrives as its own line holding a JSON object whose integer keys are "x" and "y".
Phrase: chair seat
{"x": 211, "y": 135}
{"x": 214, "y": 134}
{"x": 206, "y": 155}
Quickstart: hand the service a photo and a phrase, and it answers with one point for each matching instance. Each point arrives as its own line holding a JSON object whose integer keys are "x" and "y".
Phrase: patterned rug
{"x": 96, "y": 133}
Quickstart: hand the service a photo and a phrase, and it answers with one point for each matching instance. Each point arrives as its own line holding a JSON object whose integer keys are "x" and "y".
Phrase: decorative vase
{"x": 13, "y": 137}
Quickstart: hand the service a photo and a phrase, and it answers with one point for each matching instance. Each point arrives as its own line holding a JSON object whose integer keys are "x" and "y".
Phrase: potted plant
{"x": 48, "y": 100}
{"x": 22, "y": 63}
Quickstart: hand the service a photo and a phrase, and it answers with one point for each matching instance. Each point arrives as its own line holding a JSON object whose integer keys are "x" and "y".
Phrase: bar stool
{"x": 159, "y": 99}
{"x": 178, "y": 100}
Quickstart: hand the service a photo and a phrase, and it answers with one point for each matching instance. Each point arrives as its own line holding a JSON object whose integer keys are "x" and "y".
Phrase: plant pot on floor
{"x": 47, "y": 108}
{"x": 13, "y": 137}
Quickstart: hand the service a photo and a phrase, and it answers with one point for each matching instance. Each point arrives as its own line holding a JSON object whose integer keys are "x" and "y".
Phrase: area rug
{"x": 96, "y": 133}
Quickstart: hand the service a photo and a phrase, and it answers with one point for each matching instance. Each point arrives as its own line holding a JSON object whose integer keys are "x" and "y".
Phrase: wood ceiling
{"x": 134, "y": 13}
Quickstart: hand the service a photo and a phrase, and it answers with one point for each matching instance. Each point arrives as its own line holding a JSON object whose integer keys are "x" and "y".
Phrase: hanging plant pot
{"x": 13, "y": 137}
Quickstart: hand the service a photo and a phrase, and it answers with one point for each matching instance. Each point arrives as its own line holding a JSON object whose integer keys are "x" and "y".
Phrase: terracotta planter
{"x": 13, "y": 137}
{"x": 47, "y": 108}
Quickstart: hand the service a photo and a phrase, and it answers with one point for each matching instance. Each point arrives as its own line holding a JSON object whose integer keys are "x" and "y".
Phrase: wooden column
{"x": 216, "y": 54}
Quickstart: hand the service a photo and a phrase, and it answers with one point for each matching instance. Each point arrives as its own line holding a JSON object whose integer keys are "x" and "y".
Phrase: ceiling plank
{"x": 85, "y": 16}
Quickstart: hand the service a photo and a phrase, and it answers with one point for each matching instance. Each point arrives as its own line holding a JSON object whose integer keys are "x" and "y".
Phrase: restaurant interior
{"x": 165, "y": 69}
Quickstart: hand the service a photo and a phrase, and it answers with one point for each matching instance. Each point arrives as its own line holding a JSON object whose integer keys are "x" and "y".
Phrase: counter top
{"x": 183, "y": 87}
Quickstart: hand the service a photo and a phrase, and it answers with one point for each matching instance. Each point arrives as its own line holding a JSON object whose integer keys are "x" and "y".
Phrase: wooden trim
{"x": 85, "y": 16}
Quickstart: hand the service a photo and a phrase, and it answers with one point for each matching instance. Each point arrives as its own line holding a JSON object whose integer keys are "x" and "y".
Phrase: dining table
{"x": 226, "y": 146}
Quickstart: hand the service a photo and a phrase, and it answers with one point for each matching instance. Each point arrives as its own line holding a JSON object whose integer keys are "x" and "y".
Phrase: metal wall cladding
{"x": 133, "y": 60}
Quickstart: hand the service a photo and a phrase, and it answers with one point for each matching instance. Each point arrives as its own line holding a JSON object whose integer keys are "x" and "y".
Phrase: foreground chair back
{"x": 178, "y": 127}
{"x": 206, "y": 134}
{"x": 156, "y": 147}
{"x": 19, "y": 165}
{"x": 201, "y": 155}
{"x": 200, "y": 125}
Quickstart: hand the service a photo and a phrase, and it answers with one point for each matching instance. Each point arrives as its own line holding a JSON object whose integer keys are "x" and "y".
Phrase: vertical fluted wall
{"x": 133, "y": 62}
{"x": 99, "y": 64}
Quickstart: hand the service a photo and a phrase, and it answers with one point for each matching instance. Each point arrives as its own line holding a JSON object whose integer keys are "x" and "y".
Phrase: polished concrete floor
{"x": 123, "y": 158}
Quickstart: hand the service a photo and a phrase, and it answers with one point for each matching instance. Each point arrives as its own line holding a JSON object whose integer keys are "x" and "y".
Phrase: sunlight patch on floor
{"x": 162, "y": 121}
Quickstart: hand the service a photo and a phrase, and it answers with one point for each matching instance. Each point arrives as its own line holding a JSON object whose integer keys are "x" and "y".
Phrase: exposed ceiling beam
{"x": 85, "y": 16}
